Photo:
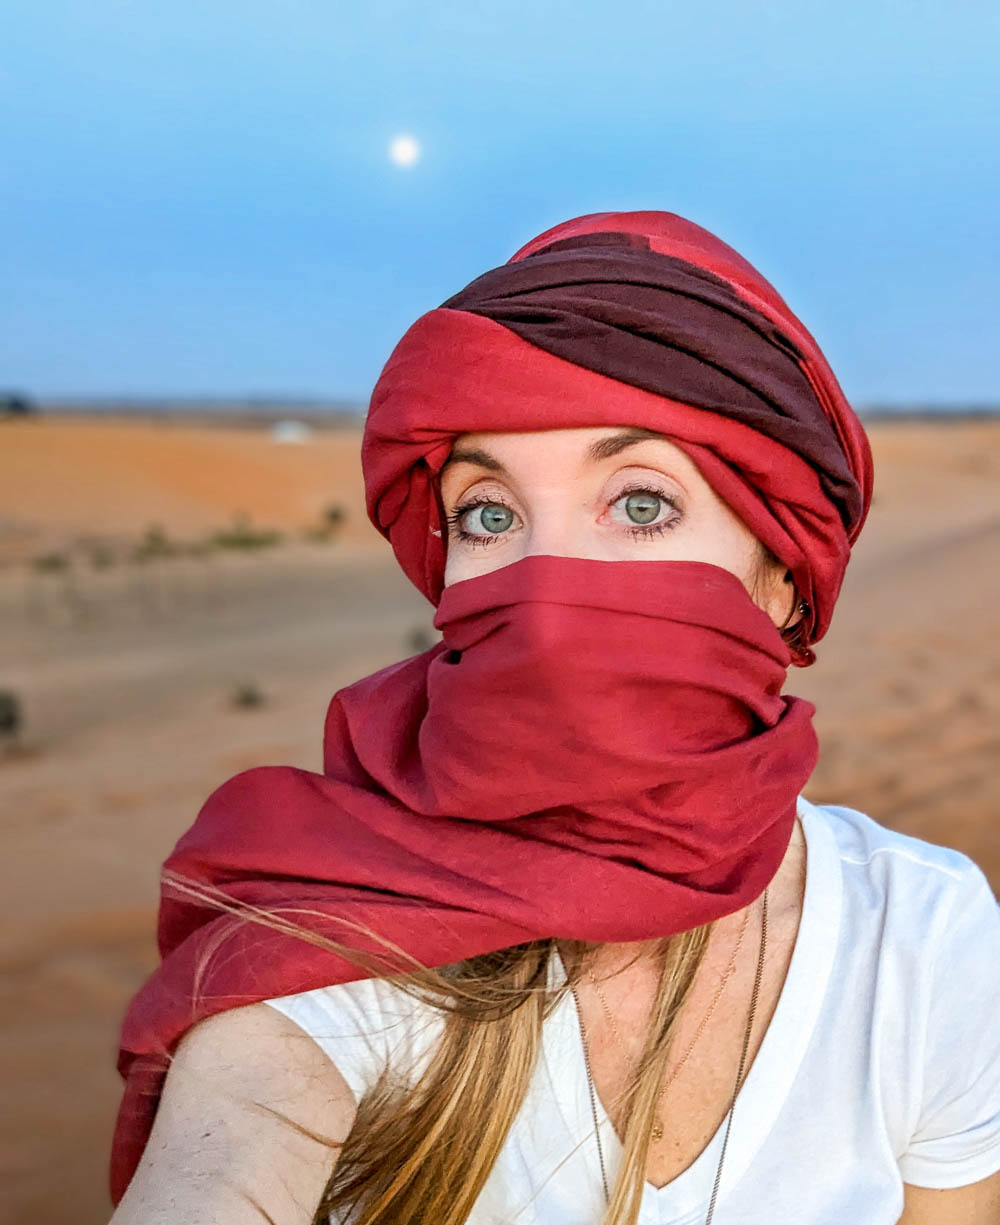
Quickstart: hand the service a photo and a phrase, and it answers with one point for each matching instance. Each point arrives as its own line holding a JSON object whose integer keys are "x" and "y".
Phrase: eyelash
{"x": 637, "y": 531}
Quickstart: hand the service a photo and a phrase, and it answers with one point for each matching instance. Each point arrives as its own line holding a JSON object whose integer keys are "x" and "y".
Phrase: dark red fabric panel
{"x": 677, "y": 236}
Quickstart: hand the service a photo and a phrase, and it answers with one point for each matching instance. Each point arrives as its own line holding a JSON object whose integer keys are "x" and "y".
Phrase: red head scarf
{"x": 595, "y": 750}
{"x": 630, "y": 319}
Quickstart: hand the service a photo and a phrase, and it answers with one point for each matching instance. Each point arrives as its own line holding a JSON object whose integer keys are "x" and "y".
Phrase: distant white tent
{"x": 291, "y": 431}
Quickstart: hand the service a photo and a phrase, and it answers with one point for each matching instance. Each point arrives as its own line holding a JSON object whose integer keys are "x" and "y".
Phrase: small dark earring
{"x": 803, "y": 607}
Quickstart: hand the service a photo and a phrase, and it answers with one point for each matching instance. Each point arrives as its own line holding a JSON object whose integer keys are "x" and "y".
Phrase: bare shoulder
{"x": 253, "y": 1061}
{"x": 251, "y": 1118}
{"x": 255, "y": 1044}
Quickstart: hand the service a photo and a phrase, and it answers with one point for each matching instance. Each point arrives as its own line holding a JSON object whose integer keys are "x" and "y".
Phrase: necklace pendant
{"x": 657, "y": 1132}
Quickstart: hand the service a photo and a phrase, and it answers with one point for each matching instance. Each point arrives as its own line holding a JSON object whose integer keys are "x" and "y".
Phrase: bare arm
{"x": 218, "y": 1155}
{"x": 976, "y": 1204}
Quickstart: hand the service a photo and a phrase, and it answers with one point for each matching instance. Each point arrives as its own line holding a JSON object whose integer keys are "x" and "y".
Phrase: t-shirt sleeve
{"x": 366, "y": 1028}
{"x": 957, "y": 1137}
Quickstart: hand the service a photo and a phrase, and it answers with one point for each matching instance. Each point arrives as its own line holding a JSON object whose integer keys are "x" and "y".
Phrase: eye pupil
{"x": 495, "y": 518}
{"x": 642, "y": 507}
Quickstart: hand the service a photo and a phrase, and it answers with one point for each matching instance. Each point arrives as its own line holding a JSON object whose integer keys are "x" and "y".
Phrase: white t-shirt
{"x": 881, "y": 1064}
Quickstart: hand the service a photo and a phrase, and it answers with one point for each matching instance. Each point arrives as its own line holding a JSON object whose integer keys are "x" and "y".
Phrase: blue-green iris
{"x": 495, "y": 518}
{"x": 642, "y": 507}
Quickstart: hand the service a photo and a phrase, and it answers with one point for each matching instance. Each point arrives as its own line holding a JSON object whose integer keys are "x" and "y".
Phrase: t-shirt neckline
{"x": 770, "y": 1078}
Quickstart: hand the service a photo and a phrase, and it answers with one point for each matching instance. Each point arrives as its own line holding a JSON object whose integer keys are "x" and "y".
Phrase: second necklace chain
{"x": 658, "y": 1129}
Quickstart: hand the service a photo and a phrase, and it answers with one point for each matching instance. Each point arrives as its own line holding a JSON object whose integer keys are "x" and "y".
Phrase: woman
{"x": 669, "y": 987}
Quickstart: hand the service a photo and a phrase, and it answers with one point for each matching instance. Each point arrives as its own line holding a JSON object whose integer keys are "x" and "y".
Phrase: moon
{"x": 404, "y": 150}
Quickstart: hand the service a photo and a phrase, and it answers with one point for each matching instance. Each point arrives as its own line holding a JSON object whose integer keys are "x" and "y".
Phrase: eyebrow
{"x": 603, "y": 448}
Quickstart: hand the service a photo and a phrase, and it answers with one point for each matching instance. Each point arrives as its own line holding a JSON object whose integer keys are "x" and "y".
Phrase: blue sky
{"x": 197, "y": 197}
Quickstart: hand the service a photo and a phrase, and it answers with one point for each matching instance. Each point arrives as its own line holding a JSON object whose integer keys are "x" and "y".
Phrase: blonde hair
{"x": 422, "y": 1153}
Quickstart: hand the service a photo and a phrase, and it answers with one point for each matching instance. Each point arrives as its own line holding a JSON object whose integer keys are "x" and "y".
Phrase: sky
{"x": 197, "y": 198}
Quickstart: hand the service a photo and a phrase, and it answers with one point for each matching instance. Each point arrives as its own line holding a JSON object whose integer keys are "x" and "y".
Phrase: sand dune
{"x": 129, "y": 671}
{"x": 66, "y": 478}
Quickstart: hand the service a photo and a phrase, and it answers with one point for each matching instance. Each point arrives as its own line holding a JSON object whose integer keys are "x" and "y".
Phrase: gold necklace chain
{"x": 657, "y": 1132}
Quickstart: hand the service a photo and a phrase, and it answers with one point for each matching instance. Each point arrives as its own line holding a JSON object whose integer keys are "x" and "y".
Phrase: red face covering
{"x": 596, "y": 750}
{"x": 585, "y": 711}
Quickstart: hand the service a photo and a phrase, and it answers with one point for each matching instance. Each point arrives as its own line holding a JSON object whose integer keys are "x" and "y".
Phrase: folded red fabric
{"x": 595, "y": 750}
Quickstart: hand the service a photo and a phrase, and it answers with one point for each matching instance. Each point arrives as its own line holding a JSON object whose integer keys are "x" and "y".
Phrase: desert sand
{"x": 145, "y": 683}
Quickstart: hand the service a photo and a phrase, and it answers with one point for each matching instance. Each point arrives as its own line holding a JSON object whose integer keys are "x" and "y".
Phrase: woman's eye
{"x": 644, "y": 508}
{"x": 478, "y": 520}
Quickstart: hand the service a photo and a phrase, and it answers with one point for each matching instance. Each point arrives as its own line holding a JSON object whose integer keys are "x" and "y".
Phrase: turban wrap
{"x": 654, "y": 780}
{"x": 630, "y": 319}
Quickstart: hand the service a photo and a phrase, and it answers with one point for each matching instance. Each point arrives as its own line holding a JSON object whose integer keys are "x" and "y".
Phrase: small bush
{"x": 420, "y": 639}
{"x": 243, "y": 535}
{"x": 330, "y": 522}
{"x": 10, "y": 713}
{"x": 247, "y": 696}
{"x": 155, "y": 545}
{"x": 50, "y": 563}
